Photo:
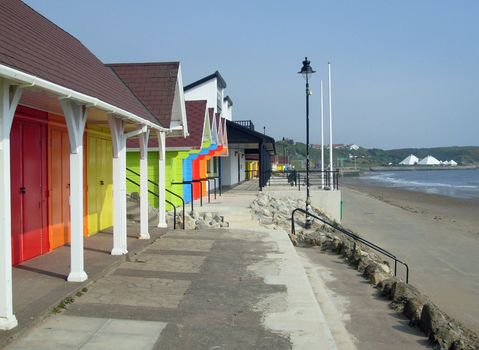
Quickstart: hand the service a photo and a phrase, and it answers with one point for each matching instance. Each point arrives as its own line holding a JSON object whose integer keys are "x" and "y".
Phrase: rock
{"x": 413, "y": 309}
{"x": 385, "y": 286}
{"x": 430, "y": 319}
{"x": 195, "y": 215}
{"x": 201, "y": 225}
{"x": 135, "y": 196}
{"x": 218, "y": 218}
{"x": 401, "y": 293}
{"x": 207, "y": 217}
{"x": 190, "y": 223}
{"x": 266, "y": 212}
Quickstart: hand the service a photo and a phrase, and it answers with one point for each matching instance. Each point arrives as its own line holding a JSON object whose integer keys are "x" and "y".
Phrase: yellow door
{"x": 100, "y": 184}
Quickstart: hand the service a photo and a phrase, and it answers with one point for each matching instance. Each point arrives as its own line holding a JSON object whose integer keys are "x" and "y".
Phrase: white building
{"x": 429, "y": 160}
{"x": 212, "y": 89}
{"x": 409, "y": 160}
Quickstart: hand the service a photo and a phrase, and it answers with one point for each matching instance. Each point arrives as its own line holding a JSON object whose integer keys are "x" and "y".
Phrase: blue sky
{"x": 405, "y": 73}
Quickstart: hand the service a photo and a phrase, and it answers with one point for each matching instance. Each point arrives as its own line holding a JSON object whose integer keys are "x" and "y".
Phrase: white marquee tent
{"x": 410, "y": 160}
{"x": 429, "y": 160}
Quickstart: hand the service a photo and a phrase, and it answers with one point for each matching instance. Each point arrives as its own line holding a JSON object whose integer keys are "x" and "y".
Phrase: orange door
{"x": 59, "y": 181}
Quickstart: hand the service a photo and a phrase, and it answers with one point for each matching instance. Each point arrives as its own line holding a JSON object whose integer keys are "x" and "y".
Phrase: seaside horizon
{"x": 463, "y": 183}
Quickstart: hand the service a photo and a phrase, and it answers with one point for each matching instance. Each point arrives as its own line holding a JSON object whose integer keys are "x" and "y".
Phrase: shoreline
{"x": 459, "y": 212}
{"x": 438, "y": 236}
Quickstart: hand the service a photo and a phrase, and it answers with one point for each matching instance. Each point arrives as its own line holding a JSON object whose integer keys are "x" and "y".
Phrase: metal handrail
{"x": 167, "y": 190}
{"x": 355, "y": 237}
{"x": 157, "y": 196}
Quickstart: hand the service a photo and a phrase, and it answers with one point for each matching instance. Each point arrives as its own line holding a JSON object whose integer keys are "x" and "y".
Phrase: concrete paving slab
{"x": 136, "y": 291}
{"x": 192, "y": 244}
{"x": 173, "y": 263}
{"x": 70, "y": 332}
{"x": 40, "y": 283}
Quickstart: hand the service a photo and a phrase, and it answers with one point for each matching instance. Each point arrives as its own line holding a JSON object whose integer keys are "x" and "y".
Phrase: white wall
{"x": 205, "y": 91}
{"x": 229, "y": 167}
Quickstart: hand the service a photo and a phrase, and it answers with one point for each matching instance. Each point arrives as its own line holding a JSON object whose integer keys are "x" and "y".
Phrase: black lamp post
{"x": 306, "y": 71}
{"x": 284, "y": 155}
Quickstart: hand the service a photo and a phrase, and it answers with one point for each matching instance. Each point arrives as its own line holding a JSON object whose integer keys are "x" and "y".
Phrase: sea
{"x": 460, "y": 183}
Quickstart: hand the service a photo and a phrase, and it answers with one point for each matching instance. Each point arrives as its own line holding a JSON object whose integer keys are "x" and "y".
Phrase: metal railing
{"x": 156, "y": 195}
{"x": 167, "y": 190}
{"x": 245, "y": 123}
{"x": 326, "y": 179}
{"x": 354, "y": 237}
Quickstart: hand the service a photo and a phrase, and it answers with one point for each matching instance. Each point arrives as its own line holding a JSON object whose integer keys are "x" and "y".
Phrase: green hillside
{"x": 363, "y": 157}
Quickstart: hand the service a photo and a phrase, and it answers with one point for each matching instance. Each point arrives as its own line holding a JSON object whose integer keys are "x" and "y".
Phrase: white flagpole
{"x": 322, "y": 136}
{"x": 331, "y": 168}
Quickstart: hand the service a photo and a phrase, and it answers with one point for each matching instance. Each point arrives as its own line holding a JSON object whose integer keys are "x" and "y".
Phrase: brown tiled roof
{"x": 195, "y": 114}
{"x": 31, "y": 43}
{"x": 153, "y": 83}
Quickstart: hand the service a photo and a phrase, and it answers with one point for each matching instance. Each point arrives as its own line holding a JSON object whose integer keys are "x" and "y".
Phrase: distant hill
{"x": 363, "y": 157}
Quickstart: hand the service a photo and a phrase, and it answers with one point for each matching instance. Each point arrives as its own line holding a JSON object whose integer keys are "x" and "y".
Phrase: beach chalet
{"x": 409, "y": 160}
{"x": 242, "y": 162}
{"x": 429, "y": 160}
{"x": 159, "y": 86}
{"x": 65, "y": 119}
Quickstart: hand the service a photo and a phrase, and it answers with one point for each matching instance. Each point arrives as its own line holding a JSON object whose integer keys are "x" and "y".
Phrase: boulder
{"x": 385, "y": 286}
{"x": 413, "y": 308}
{"x": 190, "y": 223}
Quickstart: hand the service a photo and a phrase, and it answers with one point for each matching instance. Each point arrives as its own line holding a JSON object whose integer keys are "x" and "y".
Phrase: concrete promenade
{"x": 237, "y": 288}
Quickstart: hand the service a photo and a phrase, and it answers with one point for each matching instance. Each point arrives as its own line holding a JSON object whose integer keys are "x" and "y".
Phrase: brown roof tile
{"x": 195, "y": 114}
{"x": 153, "y": 83}
{"x": 31, "y": 43}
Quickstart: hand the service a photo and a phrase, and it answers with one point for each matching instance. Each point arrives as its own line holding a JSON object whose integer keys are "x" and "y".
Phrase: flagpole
{"x": 331, "y": 167}
{"x": 322, "y": 136}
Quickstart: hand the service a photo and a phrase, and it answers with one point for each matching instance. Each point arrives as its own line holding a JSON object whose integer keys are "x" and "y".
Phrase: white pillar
{"x": 161, "y": 180}
{"x": 322, "y": 135}
{"x": 144, "y": 234}
{"x": 9, "y": 97}
{"x": 331, "y": 167}
{"x": 75, "y": 117}
{"x": 119, "y": 186}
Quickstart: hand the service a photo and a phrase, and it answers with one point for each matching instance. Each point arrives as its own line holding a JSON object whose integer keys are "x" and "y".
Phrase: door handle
{"x": 102, "y": 182}
{"x": 23, "y": 190}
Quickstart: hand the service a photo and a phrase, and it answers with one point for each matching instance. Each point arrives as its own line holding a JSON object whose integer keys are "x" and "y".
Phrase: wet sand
{"x": 459, "y": 212}
{"x": 437, "y": 236}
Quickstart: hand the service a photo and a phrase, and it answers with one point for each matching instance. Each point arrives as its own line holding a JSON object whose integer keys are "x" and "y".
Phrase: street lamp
{"x": 306, "y": 71}
{"x": 284, "y": 155}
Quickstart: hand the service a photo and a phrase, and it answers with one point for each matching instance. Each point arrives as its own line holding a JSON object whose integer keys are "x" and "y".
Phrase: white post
{"x": 331, "y": 167}
{"x": 119, "y": 186}
{"x": 322, "y": 134}
{"x": 9, "y": 98}
{"x": 161, "y": 180}
{"x": 144, "y": 234}
{"x": 75, "y": 117}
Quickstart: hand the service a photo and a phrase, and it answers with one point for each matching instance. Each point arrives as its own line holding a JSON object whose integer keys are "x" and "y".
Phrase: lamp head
{"x": 306, "y": 70}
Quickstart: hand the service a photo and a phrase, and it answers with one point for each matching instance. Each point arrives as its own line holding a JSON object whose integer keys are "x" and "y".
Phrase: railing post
{"x": 192, "y": 199}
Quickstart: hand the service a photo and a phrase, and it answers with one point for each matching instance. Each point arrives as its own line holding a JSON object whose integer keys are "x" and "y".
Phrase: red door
{"x": 195, "y": 170}
{"x": 28, "y": 187}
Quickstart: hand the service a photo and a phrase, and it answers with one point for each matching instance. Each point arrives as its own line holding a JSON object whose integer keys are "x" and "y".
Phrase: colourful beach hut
{"x": 64, "y": 118}
{"x": 159, "y": 86}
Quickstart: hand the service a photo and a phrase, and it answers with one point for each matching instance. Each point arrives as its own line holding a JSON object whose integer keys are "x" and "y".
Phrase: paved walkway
{"x": 40, "y": 284}
{"x": 242, "y": 288}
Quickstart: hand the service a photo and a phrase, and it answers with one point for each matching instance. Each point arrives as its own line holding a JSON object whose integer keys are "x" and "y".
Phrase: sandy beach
{"x": 437, "y": 236}
{"x": 461, "y": 213}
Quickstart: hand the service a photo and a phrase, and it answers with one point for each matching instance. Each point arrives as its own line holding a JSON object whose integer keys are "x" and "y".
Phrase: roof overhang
{"x": 31, "y": 81}
{"x": 179, "y": 122}
{"x": 241, "y": 137}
